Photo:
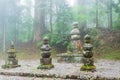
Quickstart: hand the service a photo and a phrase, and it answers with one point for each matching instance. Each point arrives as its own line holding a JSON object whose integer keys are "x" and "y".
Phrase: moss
{"x": 48, "y": 66}
{"x": 69, "y": 52}
{"x": 88, "y": 68}
{"x": 12, "y": 50}
{"x": 10, "y": 66}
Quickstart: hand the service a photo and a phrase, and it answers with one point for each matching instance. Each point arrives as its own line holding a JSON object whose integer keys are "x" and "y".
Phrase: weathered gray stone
{"x": 88, "y": 55}
{"x": 74, "y": 53}
{"x": 11, "y": 62}
{"x": 46, "y": 60}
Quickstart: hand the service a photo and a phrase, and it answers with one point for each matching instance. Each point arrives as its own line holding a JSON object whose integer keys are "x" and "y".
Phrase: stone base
{"x": 88, "y": 68}
{"x": 69, "y": 58}
{"x": 10, "y": 66}
{"x": 46, "y": 63}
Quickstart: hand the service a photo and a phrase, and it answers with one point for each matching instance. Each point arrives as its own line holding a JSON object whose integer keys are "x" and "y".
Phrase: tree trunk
{"x": 97, "y": 21}
{"x": 4, "y": 36}
{"x": 51, "y": 16}
{"x": 110, "y": 12}
{"x": 3, "y": 11}
{"x": 39, "y": 26}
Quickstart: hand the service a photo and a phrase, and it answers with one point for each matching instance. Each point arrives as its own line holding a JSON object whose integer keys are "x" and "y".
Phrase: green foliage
{"x": 109, "y": 53}
{"x": 60, "y": 41}
{"x": 117, "y": 24}
{"x": 56, "y": 40}
{"x": 95, "y": 35}
{"x": 69, "y": 47}
{"x": 26, "y": 33}
{"x": 10, "y": 13}
{"x": 113, "y": 56}
{"x": 64, "y": 18}
{"x": 39, "y": 44}
{"x": 80, "y": 15}
{"x": 59, "y": 36}
{"x": 116, "y": 7}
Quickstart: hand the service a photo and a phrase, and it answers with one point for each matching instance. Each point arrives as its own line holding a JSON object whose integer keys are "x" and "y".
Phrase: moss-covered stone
{"x": 11, "y": 62}
{"x": 88, "y": 55}
{"x": 46, "y": 60}
{"x": 48, "y": 66}
{"x": 10, "y": 66}
{"x": 88, "y": 68}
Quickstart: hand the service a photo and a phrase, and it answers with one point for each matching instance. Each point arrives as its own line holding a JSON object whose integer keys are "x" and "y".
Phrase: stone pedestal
{"x": 46, "y": 60}
{"x": 74, "y": 49}
{"x": 11, "y": 62}
{"x": 69, "y": 58}
{"x": 46, "y": 63}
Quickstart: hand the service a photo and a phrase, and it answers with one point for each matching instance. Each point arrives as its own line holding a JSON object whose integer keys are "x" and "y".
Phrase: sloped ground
{"x": 106, "y": 70}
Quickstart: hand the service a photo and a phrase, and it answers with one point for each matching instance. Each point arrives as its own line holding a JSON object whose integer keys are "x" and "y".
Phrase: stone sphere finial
{"x": 75, "y": 24}
{"x": 75, "y": 30}
{"x": 12, "y": 45}
{"x": 45, "y": 40}
{"x": 87, "y": 38}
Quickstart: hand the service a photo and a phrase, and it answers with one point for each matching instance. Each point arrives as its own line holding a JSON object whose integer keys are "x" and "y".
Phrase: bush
{"x": 39, "y": 44}
{"x": 116, "y": 25}
{"x": 59, "y": 40}
{"x": 69, "y": 47}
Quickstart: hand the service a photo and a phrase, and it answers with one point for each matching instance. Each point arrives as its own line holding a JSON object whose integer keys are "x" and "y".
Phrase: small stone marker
{"x": 11, "y": 62}
{"x": 46, "y": 60}
{"x": 88, "y": 55}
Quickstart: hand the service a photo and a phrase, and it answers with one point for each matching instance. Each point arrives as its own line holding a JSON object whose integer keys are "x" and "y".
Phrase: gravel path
{"x": 2, "y": 77}
{"x": 105, "y": 69}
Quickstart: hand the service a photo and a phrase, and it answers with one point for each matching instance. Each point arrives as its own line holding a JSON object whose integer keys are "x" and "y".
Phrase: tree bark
{"x": 51, "y": 16}
{"x": 39, "y": 25}
{"x": 97, "y": 19}
{"x": 110, "y": 12}
{"x": 4, "y": 36}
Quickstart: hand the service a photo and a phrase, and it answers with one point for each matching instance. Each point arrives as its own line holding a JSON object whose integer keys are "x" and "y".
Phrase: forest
{"x": 26, "y": 22}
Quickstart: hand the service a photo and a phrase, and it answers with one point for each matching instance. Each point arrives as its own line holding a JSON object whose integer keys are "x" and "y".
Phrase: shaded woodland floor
{"x": 106, "y": 46}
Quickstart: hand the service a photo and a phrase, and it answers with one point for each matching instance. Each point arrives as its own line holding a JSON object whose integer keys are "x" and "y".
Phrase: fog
{"x": 28, "y": 21}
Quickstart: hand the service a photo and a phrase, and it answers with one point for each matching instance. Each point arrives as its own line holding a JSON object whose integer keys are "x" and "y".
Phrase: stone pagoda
{"x": 75, "y": 39}
{"x": 74, "y": 51}
{"x": 46, "y": 60}
{"x": 11, "y": 62}
{"x": 88, "y": 55}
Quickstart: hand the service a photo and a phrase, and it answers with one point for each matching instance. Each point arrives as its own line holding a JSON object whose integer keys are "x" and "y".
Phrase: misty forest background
{"x": 26, "y": 22}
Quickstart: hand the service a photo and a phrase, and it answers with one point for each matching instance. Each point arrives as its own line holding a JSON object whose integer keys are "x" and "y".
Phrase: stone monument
{"x": 11, "y": 62}
{"x": 75, "y": 54}
{"x": 88, "y": 55}
{"x": 46, "y": 60}
{"x": 75, "y": 39}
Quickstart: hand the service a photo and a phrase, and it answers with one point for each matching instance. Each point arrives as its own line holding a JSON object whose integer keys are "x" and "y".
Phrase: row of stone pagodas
{"x": 46, "y": 60}
{"x": 88, "y": 62}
